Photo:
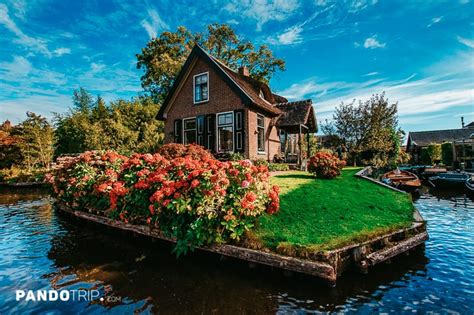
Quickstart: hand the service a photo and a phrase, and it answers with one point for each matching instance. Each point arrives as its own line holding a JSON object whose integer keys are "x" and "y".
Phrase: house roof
{"x": 295, "y": 114}
{"x": 425, "y": 138}
{"x": 288, "y": 115}
{"x": 243, "y": 87}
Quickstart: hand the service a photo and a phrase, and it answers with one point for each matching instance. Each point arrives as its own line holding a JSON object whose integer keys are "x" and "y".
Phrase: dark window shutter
{"x": 200, "y": 129}
{"x": 210, "y": 132}
{"x": 178, "y": 131}
{"x": 239, "y": 133}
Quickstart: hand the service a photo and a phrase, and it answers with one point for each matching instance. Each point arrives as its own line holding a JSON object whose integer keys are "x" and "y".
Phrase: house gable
{"x": 199, "y": 56}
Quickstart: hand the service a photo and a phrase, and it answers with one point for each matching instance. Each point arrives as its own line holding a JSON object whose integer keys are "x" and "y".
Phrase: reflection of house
{"x": 227, "y": 111}
{"x": 459, "y": 137}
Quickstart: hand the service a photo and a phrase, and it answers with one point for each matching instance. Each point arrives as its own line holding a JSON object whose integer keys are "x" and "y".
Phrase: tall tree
{"x": 125, "y": 126}
{"x": 368, "y": 130}
{"x": 37, "y": 136}
{"x": 163, "y": 56}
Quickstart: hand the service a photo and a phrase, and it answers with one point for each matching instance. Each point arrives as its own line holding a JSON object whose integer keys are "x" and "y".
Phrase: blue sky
{"x": 420, "y": 52}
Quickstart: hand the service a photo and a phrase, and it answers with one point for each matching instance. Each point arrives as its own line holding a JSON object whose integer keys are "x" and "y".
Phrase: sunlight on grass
{"x": 324, "y": 214}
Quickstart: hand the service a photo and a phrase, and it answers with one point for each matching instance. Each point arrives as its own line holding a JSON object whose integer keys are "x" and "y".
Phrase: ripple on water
{"x": 41, "y": 250}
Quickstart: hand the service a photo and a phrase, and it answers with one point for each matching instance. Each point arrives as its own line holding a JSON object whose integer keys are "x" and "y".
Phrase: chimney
{"x": 462, "y": 122}
{"x": 244, "y": 71}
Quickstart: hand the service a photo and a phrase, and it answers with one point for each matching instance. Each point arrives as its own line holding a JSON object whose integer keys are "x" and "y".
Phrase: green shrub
{"x": 447, "y": 153}
{"x": 325, "y": 165}
{"x": 425, "y": 156}
{"x": 236, "y": 156}
{"x": 434, "y": 152}
{"x": 261, "y": 162}
{"x": 273, "y": 167}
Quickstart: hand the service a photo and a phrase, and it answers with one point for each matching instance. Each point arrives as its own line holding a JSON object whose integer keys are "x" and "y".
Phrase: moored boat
{"x": 469, "y": 183}
{"x": 402, "y": 179}
{"x": 432, "y": 171}
{"x": 449, "y": 179}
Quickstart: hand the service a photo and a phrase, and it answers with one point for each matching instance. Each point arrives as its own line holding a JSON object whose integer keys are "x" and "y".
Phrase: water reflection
{"x": 45, "y": 249}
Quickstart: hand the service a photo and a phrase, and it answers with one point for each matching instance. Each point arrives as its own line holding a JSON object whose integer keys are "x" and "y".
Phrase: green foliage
{"x": 125, "y": 126}
{"x": 447, "y": 153}
{"x": 163, "y": 56}
{"x": 36, "y": 144}
{"x": 434, "y": 152}
{"x": 425, "y": 156}
{"x": 236, "y": 156}
{"x": 22, "y": 175}
{"x": 368, "y": 131}
{"x": 318, "y": 214}
{"x": 274, "y": 167}
{"x": 260, "y": 162}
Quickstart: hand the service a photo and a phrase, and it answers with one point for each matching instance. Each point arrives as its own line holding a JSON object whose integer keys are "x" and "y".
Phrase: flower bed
{"x": 193, "y": 198}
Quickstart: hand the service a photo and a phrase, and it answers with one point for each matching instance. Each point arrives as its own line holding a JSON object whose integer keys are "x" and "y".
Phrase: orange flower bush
{"x": 325, "y": 165}
{"x": 194, "y": 198}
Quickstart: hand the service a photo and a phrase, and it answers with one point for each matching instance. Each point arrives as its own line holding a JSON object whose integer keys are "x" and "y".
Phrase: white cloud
{"x": 290, "y": 36}
{"x": 58, "y": 52}
{"x": 466, "y": 41}
{"x": 36, "y": 44}
{"x": 434, "y": 21}
{"x": 155, "y": 24}
{"x": 20, "y": 67}
{"x": 372, "y": 43}
{"x": 438, "y": 89}
{"x": 263, "y": 11}
{"x": 370, "y": 74}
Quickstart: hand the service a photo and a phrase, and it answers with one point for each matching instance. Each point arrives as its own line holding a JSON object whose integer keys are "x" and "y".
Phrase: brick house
{"x": 227, "y": 111}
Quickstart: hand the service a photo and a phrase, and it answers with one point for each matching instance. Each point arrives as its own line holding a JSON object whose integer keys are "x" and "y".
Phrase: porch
{"x": 295, "y": 127}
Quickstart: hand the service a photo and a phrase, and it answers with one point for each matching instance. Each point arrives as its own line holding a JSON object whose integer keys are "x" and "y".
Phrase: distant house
{"x": 422, "y": 139}
{"x": 227, "y": 111}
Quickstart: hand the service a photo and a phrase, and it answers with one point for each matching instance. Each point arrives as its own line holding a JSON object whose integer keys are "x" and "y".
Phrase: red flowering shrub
{"x": 175, "y": 150}
{"x": 325, "y": 165}
{"x": 196, "y": 199}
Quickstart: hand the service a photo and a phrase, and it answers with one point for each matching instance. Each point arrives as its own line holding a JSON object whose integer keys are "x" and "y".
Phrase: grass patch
{"x": 322, "y": 214}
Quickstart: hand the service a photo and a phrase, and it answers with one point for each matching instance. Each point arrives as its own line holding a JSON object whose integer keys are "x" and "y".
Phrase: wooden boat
{"x": 432, "y": 171}
{"x": 402, "y": 179}
{"x": 449, "y": 179}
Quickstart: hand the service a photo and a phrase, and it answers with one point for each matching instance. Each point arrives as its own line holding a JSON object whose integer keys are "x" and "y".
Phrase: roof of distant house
{"x": 425, "y": 138}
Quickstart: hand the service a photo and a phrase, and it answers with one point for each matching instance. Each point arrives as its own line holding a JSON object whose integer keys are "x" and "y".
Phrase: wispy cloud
{"x": 291, "y": 36}
{"x": 370, "y": 74}
{"x": 373, "y": 43}
{"x": 466, "y": 41}
{"x": 36, "y": 44}
{"x": 153, "y": 23}
{"x": 58, "y": 52}
{"x": 429, "y": 95}
{"x": 434, "y": 21}
{"x": 263, "y": 11}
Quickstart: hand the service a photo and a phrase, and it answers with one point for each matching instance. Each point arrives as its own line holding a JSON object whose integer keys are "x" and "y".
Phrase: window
{"x": 201, "y": 88}
{"x": 261, "y": 133}
{"x": 225, "y": 132}
{"x": 189, "y": 130}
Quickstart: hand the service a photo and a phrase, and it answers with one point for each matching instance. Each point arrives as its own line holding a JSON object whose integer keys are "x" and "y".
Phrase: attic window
{"x": 201, "y": 88}
{"x": 262, "y": 96}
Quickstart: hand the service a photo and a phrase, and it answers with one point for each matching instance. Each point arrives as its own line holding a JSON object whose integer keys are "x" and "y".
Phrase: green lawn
{"x": 322, "y": 214}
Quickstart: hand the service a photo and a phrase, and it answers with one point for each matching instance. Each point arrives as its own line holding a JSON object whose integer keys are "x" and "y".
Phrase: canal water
{"x": 43, "y": 250}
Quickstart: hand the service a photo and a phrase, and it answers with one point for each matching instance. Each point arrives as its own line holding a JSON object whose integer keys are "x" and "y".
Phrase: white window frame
{"x": 218, "y": 135}
{"x": 194, "y": 88}
{"x": 183, "y": 130}
{"x": 258, "y": 130}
